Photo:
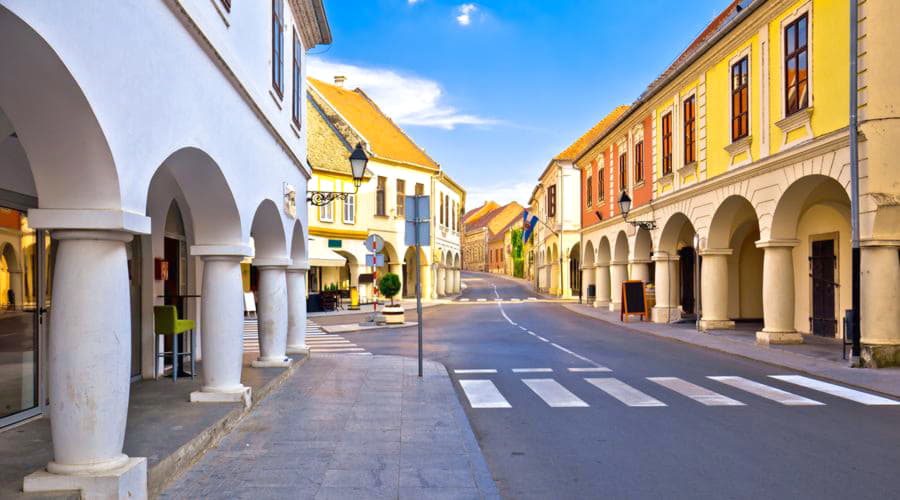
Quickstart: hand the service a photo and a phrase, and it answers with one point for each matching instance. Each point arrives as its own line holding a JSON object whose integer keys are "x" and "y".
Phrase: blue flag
{"x": 529, "y": 227}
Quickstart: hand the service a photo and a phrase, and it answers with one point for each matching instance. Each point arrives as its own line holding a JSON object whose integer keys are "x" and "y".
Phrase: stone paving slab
{"x": 812, "y": 358}
{"x": 349, "y": 427}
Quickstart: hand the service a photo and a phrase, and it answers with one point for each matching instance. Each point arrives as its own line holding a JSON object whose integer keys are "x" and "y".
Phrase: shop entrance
{"x": 822, "y": 264}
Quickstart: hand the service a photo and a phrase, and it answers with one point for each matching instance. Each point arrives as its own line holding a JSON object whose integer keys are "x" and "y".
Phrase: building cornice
{"x": 312, "y": 22}
{"x": 327, "y": 232}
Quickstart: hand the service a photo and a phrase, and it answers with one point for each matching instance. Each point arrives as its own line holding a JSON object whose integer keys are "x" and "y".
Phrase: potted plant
{"x": 389, "y": 286}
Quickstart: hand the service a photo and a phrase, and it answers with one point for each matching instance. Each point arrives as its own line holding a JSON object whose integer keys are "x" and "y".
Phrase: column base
{"x": 127, "y": 481}
{"x": 240, "y": 395}
{"x": 663, "y": 314}
{"x": 271, "y": 363}
{"x": 615, "y": 306}
{"x": 716, "y": 324}
{"x": 601, "y": 304}
{"x": 764, "y": 337}
{"x": 298, "y": 349}
{"x": 880, "y": 356}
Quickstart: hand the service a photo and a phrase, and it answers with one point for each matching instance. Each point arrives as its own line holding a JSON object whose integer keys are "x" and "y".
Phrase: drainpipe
{"x": 854, "y": 184}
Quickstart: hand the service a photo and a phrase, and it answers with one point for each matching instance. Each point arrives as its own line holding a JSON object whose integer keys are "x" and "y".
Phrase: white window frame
{"x": 326, "y": 212}
{"x": 350, "y": 203}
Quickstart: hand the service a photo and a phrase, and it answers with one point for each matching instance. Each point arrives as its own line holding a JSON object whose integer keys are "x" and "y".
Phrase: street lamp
{"x": 625, "y": 207}
{"x": 358, "y": 162}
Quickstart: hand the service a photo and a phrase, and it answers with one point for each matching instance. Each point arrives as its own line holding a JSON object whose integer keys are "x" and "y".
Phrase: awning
{"x": 322, "y": 256}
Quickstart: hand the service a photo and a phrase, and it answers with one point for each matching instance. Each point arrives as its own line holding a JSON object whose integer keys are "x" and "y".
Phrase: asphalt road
{"x": 626, "y": 436}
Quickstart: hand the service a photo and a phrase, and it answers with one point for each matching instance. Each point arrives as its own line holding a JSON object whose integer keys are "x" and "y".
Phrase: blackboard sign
{"x": 634, "y": 300}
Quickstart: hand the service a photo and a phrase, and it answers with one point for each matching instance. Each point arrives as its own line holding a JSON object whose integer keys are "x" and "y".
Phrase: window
{"x": 297, "y": 81}
{"x": 601, "y": 184}
{"x": 401, "y": 198}
{"x": 589, "y": 191}
{"x": 690, "y": 153}
{"x": 667, "y": 144}
{"x": 739, "y": 99}
{"x": 441, "y": 215}
{"x": 455, "y": 217}
{"x": 623, "y": 161}
{"x": 326, "y": 212}
{"x": 639, "y": 162}
{"x": 551, "y": 201}
{"x": 350, "y": 209}
{"x": 278, "y": 46}
{"x": 420, "y": 189}
{"x": 796, "y": 66}
{"x": 381, "y": 196}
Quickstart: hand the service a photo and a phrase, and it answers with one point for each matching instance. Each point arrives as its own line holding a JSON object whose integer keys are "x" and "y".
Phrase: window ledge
{"x": 689, "y": 169}
{"x": 666, "y": 179}
{"x": 276, "y": 98}
{"x": 638, "y": 185}
{"x": 792, "y": 122}
{"x": 739, "y": 146}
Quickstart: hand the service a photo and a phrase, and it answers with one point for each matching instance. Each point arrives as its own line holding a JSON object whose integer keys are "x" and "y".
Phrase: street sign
{"x": 418, "y": 233}
{"x": 375, "y": 260}
{"x": 422, "y": 202}
{"x": 374, "y": 243}
{"x": 418, "y": 227}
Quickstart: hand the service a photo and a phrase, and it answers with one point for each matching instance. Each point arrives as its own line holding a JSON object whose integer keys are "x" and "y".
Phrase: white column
{"x": 457, "y": 281}
{"x": 222, "y": 320}
{"x": 778, "y": 290}
{"x": 585, "y": 283}
{"x": 89, "y": 366}
{"x": 439, "y": 281}
{"x": 448, "y": 281}
{"x": 272, "y": 313}
{"x": 640, "y": 269}
{"x": 618, "y": 272}
{"x": 667, "y": 294}
{"x": 880, "y": 303}
{"x": 566, "y": 291}
{"x": 602, "y": 278}
{"x": 296, "y": 292}
{"x": 714, "y": 289}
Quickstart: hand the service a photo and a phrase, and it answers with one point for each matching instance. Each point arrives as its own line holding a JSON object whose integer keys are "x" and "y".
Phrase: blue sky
{"x": 493, "y": 90}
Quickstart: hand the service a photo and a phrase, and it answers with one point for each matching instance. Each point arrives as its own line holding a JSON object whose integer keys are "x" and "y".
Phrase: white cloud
{"x": 465, "y": 13}
{"x": 408, "y": 100}
{"x": 502, "y": 193}
{"x": 413, "y": 2}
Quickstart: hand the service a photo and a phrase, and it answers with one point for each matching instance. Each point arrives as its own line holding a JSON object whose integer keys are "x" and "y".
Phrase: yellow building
{"x": 747, "y": 166}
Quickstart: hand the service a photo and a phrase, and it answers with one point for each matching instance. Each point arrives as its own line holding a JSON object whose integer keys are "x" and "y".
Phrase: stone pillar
{"x": 440, "y": 281}
{"x": 778, "y": 290}
{"x": 448, "y": 281}
{"x": 640, "y": 269}
{"x": 667, "y": 294}
{"x": 602, "y": 279}
{"x": 880, "y": 303}
{"x": 272, "y": 313}
{"x": 714, "y": 290}
{"x": 222, "y": 321}
{"x": 425, "y": 270}
{"x": 296, "y": 293}
{"x": 89, "y": 368}
{"x": 566, "y": 287}
{"x": 585, "y": 283}
{"x": 618, "y": 272}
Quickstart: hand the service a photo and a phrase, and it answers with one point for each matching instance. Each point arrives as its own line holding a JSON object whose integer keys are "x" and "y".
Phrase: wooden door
{"x": 822, "y": 264}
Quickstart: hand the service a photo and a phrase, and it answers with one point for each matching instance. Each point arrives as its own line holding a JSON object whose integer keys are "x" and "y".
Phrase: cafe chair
{"x": 166, "y": 322}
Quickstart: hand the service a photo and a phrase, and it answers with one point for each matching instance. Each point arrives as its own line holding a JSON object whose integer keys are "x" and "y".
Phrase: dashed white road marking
{"x": 483, "y": 394}
{"x": 482, "y": 299}
{"x": 532, "y": 298}
{"x": 836, "y": 390}
{"x": 531, "y": 333}
{"x": 589, "y": 369}
{"x": 464, "y": 300}
{"x": 474, "y": 370}
{"x": 553, "y": 393}
{"x": 532, "y": 370}
{"x": 695, "y": 392}
{"x": 765, "y": 391}
{"x": 523, "y": 328}
{"x": 624, "y": 392}
{"x": 515, "y": 300}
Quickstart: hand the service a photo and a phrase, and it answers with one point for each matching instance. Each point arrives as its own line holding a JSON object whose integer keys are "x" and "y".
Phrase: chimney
{"x": 339, "y": 80}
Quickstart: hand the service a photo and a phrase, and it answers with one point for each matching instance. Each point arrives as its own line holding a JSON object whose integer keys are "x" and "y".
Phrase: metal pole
{"x": 854, "y": 182}
{"x": 418, "y": 283}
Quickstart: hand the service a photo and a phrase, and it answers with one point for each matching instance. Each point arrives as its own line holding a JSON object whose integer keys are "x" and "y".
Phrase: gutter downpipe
{"x": 854, "y": 184}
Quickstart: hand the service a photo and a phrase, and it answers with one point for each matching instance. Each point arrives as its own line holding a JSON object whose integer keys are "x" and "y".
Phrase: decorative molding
{"x": 739, "y": 147}
{"x": 798, "y": 120}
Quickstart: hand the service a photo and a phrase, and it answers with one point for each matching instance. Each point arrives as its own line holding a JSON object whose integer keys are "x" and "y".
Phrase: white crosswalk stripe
{"x": 318, "y": 341}
{"x": 768, "y": 392}
{"x": 624, "y": 392}
{"x": 483, "y": 394}
{"x": 836, "y": 390}
{"x": 695, "y": 392}
{"x": 553, "y": 393}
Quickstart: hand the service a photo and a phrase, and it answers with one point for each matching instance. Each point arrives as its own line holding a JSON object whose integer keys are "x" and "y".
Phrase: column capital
{"x": 872, "y": 242}
{"x": 716, "y": 251}
{"x": 777, "y": 243}
{"x": 104, "y": 220}
{"x": 618, "y": 262}
{"x": 602, "y": 264}
{"x": 89, "y": 234}
{"x": 221, "y": 250}
{"x": 273, "y": 262}
{"x": 639, "y": 261}
{"x": 664, "y": 258}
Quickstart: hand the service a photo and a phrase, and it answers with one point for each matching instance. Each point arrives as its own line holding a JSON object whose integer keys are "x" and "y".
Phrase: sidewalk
{"x": 817, "y": 356}
{"x": 351, "y": 428}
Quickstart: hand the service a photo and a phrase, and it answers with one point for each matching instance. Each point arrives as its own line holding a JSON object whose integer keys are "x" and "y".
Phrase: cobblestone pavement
{"x": 348, "y": 427}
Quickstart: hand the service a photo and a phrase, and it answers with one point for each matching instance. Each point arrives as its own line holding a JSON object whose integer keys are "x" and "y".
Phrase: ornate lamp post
{"x": 625, "y": 206}
{"x": 358, "y": 161}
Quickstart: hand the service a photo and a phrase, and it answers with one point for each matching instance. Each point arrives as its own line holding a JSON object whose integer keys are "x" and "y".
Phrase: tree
{"x": 389, "y": 286}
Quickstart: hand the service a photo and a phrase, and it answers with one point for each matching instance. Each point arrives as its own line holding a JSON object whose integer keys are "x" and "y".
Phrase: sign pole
{"x": 418, "y": 284}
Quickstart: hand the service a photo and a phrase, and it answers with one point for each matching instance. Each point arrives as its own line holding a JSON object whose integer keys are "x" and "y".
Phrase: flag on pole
{"x": 529, "y": 226}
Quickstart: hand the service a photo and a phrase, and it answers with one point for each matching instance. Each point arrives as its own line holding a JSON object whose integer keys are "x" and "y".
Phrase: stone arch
{"x": 677, "y": 232}
{"x": 10, "y": 277}
{"x": 408, "y": 271}
{"x": 620, "y": 251}
{"x": 267, "y": 231}
{"x": 589, "y": 254}
{"x": 299, "y": 254}
{"x": 69, "y": 157}
{"x": 604, "y": 254}
{"x": 643, "y": 245}
{"x": 802, "y": 194}
{"x": 677, "y": 290}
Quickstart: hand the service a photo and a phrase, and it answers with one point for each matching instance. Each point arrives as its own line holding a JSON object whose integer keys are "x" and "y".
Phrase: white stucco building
{"x": 131, "y": 134}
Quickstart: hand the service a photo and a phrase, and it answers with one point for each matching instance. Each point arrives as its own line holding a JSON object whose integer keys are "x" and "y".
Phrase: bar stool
{"x": 166, "y": 322}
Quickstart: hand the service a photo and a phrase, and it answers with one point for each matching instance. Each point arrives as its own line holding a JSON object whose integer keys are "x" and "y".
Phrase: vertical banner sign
{"x": 418, "y": 234}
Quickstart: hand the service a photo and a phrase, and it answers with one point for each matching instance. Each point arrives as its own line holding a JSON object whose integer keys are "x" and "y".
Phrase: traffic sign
{"x": 375, "y": 260}
{"x": 374, "y": 243}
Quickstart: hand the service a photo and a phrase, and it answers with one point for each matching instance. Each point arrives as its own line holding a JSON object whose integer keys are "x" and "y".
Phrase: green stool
{"x": 167, "y": 323}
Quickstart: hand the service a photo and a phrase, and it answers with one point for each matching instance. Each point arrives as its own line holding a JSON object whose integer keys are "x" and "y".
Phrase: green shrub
{"x": 389, "y": 286}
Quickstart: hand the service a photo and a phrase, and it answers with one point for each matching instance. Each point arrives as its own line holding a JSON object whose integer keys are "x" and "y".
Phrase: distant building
{"x": 482, "y": 224}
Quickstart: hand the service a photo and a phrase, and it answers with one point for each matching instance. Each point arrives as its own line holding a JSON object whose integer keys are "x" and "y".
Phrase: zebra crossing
{"x": 484, "y": 393}
{"x": 319, "y": 342}
{"x": 514, "y": 299}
